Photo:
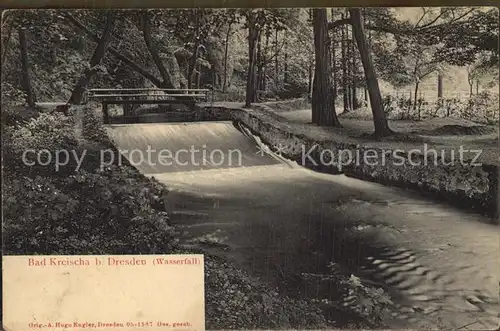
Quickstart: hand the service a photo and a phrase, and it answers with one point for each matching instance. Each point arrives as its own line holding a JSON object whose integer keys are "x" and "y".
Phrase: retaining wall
{"x": 469, "y": 187}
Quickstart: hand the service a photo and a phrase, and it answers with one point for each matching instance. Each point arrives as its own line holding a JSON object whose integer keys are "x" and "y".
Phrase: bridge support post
{"x": 105, "y": 112}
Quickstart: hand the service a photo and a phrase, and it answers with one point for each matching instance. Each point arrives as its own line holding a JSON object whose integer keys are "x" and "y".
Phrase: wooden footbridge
{"x": 145, "y": 96}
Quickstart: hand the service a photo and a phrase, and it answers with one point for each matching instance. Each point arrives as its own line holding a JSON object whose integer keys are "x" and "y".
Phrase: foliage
{"x": 14, "y": 108}
{"x": 50, "y": 132}
{"x": 115, "y": 210}
{"x": 236, "y": 301}
{"x": 373, "y": 303}
{"x": 446, "y": 35}
{"x": 55, "y": 63}
{"x": 481, "y": 108}
{"x": 12, "y": 95}
{"x": 92, "y": 126}
{"x": 103, "y": 213}
{"x": 462, "y": 40}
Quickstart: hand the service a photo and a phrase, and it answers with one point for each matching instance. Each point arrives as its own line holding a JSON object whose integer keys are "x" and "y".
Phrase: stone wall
{"x": 470, "y": 187}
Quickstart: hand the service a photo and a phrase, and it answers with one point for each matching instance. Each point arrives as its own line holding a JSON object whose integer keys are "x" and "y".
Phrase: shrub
{"x": 12, "y": 95}
{"x": 398, "y": 108}
{"x": 14, "y": 108}
{"x": 482, "y": 107}
{"x": 47, "y": 131}
{"x": 111, "y": 212}
{"x": 235, "y": 301}
{"x": 372, "y": 303}
{"x": 231, "y": 95}
{"x": 92, "y": 126}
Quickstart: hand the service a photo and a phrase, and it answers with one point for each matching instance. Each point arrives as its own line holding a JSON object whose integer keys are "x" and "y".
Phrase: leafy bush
{"x": 372, "y": 303}
{"x": 398, "y": 108}
{"x": 444, "y": 107}
{"x": 235, "y": 301}
{"x": 482, "y": 107}
{"x": 47, "y": 131}
{"x": 111, "y": 212}
{"x": 232, "y": 95}
{"x": 14, "y": 108}
{"x": 12, "y": 94}
{"x": 92, "y": 126}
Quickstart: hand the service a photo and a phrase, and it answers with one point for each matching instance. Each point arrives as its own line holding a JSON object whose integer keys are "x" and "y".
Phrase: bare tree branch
{"x": 435, "y": 19}
{"x": 409, "y": 31}
{"x": 422, "y": 17}
{"x": 454, "y": 20}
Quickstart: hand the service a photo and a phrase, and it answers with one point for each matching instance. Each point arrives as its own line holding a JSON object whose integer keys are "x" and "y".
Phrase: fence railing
{"x": 147, "y": 95}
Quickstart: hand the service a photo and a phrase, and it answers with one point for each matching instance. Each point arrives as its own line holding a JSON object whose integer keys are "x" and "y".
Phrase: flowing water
{"x": 277, "y": 219}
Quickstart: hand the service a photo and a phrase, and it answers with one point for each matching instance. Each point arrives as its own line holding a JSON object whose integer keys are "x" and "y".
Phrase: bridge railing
{"x": 136, "y": 96}
{"x": 148, "y": 95}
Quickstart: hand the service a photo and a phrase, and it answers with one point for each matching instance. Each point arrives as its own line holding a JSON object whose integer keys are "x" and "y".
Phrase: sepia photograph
{"x": 320, "y": 168}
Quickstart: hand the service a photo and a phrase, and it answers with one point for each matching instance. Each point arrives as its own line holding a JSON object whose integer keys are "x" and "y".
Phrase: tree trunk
{"x": 198, "y": 76}
{"x": 354, "y": 72}
{"x": 259, "y": 61}
{"x": 355, "y": 103}
{"x": 191, "y": 75}
{"x": 334, "y": 60}
{"x": 146, "y": 29}
{"x": 134, "y": 66}
{"x": 30, "y": 96}
{"x": 323, "y": 106}
{"x": 226, "y": 49}
{"x": 369, "y": 42}
{"x": 253, "y": 36}
{"x": 440, "y": 85}
{"x": 415, "y": 95}
{"x": 380, "y": 121}
{"x": 415, "y": 100}
{"x": 285, "y": 60}
{"x": 477, "y": 87}
{"x": 264, "y": 65}
{"x": 6, "y": 42}
{"x": 349, "y": 69}
{"x": 81, "y": 85}
{"x": 344, "y": 69}
{"x": 310, "y": 80}
{"x": 276, "y": 61}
